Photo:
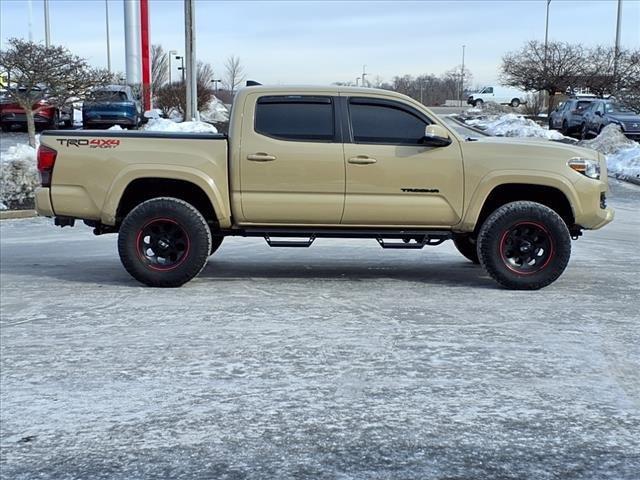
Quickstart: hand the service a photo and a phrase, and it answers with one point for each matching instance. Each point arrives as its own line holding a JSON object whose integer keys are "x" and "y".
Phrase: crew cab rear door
{"x": 392, "y": 177}
{"x": 291, "y": 160}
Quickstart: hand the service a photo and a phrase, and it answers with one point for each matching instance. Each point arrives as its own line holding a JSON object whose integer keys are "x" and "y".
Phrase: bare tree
{"x": 628, "y": 89}
{"x": 159, "y": 68}
{"x": 534, "y": 68}
{"x": 172, "y": 97}
{"x": 52, "y": 73}
{"x": 234, "y": 73}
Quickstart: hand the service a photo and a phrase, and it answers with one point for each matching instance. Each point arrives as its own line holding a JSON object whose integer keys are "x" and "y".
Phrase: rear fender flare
{"x": 135, "y": 172}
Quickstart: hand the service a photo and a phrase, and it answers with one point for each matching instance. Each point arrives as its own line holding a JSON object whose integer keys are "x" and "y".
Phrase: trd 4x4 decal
{"x": 89, "y": 142}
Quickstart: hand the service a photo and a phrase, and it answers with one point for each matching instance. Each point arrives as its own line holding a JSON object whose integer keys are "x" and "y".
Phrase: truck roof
{"x": 319, "y": 89}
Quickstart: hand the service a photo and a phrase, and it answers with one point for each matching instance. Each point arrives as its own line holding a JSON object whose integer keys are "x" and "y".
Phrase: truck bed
{"x": 94, "y": 167}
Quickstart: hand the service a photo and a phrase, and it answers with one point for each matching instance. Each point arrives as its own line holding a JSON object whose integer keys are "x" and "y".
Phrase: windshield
{"x": 108, "y": 96}
{"x": 616, "y": 108}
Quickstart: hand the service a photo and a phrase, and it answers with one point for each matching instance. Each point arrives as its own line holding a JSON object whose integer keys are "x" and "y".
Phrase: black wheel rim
{"x": 163, "y": 244}
{"x": 526, "y": 248}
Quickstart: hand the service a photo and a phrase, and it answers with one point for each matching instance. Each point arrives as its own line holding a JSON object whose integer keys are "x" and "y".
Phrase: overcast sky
{"x": 324, "y": 42}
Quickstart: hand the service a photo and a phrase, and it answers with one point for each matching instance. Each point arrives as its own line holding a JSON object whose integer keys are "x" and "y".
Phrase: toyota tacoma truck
{"x": 334, "y": 162}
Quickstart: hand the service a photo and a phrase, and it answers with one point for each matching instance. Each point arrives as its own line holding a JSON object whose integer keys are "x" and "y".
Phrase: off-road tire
{"x": 467, "y": 246}
{"x": 529, "y": 216}
{"x": 216, "y": 241}
{"x": 195, "y": 238}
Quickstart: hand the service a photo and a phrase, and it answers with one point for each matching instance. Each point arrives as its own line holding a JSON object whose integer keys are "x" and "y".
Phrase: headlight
{"x": 586, "y": 166}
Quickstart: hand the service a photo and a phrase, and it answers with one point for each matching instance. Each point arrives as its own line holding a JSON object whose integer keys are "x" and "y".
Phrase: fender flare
{"x": 497, "y": 178}
{"x": 140, "y": 171}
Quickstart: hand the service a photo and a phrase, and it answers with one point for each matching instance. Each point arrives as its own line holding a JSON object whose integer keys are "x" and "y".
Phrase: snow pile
{"x": 623, "y": 154}
{"x": 610, "y": 140}
{"x": 488, "y": 108}
{"x": 165, "y": 125}
{"x": 18, "y": 177}
{"x": 215, "y": 112}
{"x": 512, "y": 125}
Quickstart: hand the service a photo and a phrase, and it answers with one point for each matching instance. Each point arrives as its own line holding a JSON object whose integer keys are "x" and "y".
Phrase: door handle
{"x": 261, "y": 157}
{"x": 362, "y": 160}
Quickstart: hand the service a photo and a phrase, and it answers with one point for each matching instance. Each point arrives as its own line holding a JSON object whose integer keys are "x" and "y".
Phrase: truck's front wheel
{"x": 164, "y": 242}
{"x": 524, "y": 245}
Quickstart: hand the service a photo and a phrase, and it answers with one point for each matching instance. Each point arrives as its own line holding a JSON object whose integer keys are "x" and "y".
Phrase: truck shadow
{"x": 109, "y": 271}
{"x": 460, "y": 273}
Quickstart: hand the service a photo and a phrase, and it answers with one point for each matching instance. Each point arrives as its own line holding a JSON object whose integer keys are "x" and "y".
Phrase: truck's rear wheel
{"x": 467, "y": 247}
{"x": 524, "y": 245}
{"x": 164, "y": 242}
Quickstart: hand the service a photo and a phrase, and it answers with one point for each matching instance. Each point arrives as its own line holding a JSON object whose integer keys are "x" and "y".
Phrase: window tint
{"x": 385, "y": 123}
{"x": 295, "y": 118}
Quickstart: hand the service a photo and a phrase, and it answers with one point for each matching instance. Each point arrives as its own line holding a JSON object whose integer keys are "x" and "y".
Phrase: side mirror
{"x": 436, "y": 136}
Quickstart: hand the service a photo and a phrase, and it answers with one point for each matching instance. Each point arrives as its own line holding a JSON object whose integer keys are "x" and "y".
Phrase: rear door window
{"x": 296, "y": 118}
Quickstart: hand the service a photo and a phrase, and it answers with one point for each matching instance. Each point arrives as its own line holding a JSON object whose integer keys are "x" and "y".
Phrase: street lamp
{"x": 171, "y": 52}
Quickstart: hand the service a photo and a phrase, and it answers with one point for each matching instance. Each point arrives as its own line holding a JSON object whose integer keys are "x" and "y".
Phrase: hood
{"x": 624, "y": 117}
{"x": 543, "y": 144}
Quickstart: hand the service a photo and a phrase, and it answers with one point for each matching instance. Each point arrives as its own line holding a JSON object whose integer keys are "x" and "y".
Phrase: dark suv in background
{"x": 603, "y": 112}
{"x": 567, "y": 117}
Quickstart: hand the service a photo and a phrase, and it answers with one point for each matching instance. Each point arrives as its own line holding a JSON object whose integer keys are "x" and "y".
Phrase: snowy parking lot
{"x": 341, "y": 361}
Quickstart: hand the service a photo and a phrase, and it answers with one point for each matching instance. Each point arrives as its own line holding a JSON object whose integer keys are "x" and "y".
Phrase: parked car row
{"x": 588, "y": 116}
{"x": 106, "y": 107}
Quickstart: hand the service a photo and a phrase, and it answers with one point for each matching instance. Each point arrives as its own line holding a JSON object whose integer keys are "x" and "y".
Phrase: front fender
{"x": 497, "y": 178}
{"x": 139, "y": 171}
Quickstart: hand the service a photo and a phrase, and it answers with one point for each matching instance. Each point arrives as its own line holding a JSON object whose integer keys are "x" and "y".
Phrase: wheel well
{"x": 143, "y": 189}
{"x": 548, "y": 196}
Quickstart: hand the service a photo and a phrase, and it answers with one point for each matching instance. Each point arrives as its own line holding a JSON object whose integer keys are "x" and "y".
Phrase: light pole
{"x": 190, "y": 54}
{"x": 171, "y": 53}
{"x": 616, "y": 53}
{"x": 106, "y": 17}
{"x": 363, "y": 75}
{"x": 462, "y": 77}
{"x": 47, "y": 32}
{"x": 546, "y": 43}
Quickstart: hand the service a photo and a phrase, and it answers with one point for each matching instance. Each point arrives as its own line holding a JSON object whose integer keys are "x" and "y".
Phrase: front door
{"x": 392, "y": 178}
{"x": 291, "y": 161}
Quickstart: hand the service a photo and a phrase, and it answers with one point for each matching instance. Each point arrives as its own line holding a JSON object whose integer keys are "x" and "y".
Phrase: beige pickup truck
{"x": 333, "y": 162}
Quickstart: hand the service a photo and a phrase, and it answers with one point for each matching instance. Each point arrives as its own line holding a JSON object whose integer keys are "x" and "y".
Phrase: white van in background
{"x": 498, "y": 94}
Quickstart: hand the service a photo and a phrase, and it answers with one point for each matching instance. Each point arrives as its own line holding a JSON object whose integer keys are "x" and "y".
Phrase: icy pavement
{"x": 342, "y": 361}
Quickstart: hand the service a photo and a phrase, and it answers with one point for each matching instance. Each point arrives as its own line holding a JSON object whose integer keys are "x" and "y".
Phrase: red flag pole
{"x": 146, "y": 62}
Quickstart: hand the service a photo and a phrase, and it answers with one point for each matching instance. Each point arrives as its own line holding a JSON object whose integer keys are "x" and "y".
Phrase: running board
{"x": 289, "y": 243}
{"x": 408, "y": 244}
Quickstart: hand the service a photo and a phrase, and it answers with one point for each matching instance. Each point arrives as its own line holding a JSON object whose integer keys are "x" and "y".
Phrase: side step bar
{"x": 405, "y": 239}
{"x": 289, "y": 243}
